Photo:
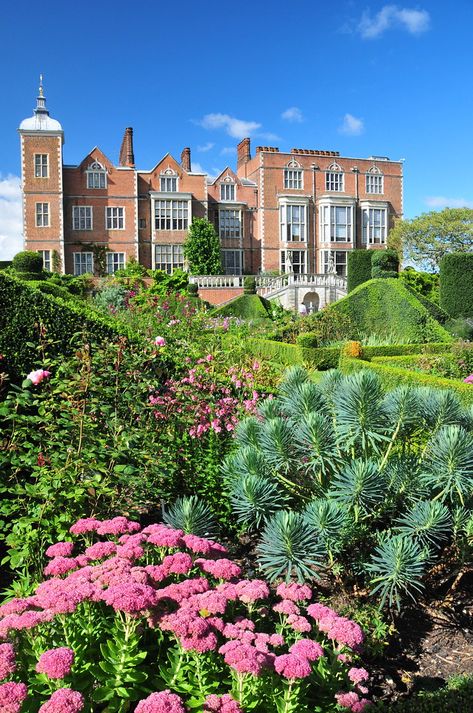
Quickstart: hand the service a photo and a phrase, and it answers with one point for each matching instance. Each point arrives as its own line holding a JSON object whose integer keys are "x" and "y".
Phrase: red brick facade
{"x": 299, "y": 211}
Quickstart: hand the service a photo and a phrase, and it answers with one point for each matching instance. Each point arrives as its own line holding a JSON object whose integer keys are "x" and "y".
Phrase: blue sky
{"x": 380, "y": 78}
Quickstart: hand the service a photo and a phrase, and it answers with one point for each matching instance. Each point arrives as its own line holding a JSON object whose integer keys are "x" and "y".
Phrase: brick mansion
{"x": 299, "y": 211}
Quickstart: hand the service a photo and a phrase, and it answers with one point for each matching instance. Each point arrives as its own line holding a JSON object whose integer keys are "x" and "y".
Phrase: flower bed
{"x": 163, "y": 620}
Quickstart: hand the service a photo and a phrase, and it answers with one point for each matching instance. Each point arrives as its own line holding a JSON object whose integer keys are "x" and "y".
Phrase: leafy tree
{"x": 202, "y": 248}
{"x": 427, "y": 238}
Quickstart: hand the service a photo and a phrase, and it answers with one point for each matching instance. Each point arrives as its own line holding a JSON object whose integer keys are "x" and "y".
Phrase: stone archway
{"x": 311, "y": 301}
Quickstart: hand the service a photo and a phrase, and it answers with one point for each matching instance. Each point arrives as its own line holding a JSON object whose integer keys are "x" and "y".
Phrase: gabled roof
{"x": 227, "y": 172}
{"x": 96, "y": 155}
{"x": 171, "y": 159}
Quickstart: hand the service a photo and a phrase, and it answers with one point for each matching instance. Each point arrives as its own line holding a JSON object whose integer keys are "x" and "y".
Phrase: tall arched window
{"x": 96, "y": 176}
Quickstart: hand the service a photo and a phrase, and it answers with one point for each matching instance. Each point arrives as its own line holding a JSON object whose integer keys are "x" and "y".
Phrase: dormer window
{"x": 96, "y": 176}
{"x": 227, "y": 189}
{"x": 293, "y": 176}
{"x": 168, "y": 181}
{"x": 374, "y": 181}
{"x": 334, "y": 178}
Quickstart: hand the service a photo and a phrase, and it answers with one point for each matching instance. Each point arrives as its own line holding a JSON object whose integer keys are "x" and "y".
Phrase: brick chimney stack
{"x": 243, "y": 152}
{"x": 127, "y": 157}
{"x": 186, "y": 159}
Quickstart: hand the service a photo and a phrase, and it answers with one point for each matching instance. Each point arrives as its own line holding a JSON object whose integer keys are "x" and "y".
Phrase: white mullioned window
{"x": 335, "y": 260}
{"x": 169, "y": 258}
{"x": 83, "y": 262}
{"x": 293, "y": 178}
{"x": 232, "y": 262}
{"x": 115, "y": 261}
{"x": 168, "y": 184}
{"x": 374, "y": 226}
{"x": 375, "y": 182}
{"x": 42, "y": 215}
{"x": 82, "y": 217}
{"x": 46, "y": 255}
{"x": 41, "y": 165}
{"x": 96, "y": 176}
{"x": 292, "y": 219}
{"x": 334, "y": 181}
{"x": 227, "y": 191}
{"x": 336, "y": 223}
{"x": 115, "y": 218}
{"x": 229, "y": 223}
{"x": 171, "y": 215}
{"x": 293, "y": 261}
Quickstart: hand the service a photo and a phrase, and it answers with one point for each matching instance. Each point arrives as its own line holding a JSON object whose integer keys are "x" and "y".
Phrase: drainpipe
{"x": 356, "y": 171}
{"x": 314, "y": 168}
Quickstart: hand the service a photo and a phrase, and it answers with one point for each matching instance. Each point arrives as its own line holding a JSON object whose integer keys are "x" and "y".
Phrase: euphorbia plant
{"x": 163, "y": 621}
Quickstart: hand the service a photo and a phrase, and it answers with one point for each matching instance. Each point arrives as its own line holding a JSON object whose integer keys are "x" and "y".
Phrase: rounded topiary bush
{"x": 28, "y": 262}
{"x": 308, "y": 340}
{"x": 385, "y": 263}
{"x": 456, "y": 284}
{"x": 193, "y": 289}
{"x": 358, "y": 268}
{"x": 249, "y": 285}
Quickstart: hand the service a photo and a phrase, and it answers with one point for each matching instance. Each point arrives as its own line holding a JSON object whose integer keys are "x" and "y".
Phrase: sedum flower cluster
{"x": 108, "y": 608}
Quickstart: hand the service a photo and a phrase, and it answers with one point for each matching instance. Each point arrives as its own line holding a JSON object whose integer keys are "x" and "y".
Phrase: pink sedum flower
{"x": 162, "y": 702}
{"x": 221, "y": 704}
{"x": 36, "y": 377}
{"x": 12, "y": 696}
{"x": 60, "y": 565}
{"x": 100, "y": 550}
{"x": 64, "y": 700}
{"x": 130, "y": 597}
{"x": 56, "y": 663}
{"x": 85, "y": 525}
{"x": 250, "y": 590}
{"x": 60, "y": 549}
{"x": 358, "y": 675}
{"x": 308, "y": 649}
{"x": 7, "y": 661}
{"x": 295, "y": 592}
{"x": 292, "y": 666}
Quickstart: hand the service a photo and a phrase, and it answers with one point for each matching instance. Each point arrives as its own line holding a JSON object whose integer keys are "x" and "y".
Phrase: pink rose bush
{"x": 203, "y": 404}
{"x": 156, "y": 610}
{"x": 36, "y": 377}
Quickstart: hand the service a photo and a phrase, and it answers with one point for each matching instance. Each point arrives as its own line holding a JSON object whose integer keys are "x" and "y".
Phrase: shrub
{"x": 28, "y": 261}
{"x": 246, "y": 306}
{"x": 307, "y": 340}
{"x": 50, "y": 288}
{"x": 382, "y": 306}
{"x": 358, "y": 267}
{"x": 460, "y": 328}
{"x": 171, "y": 614}
{"x": 456, "y": 284}
{"x": 30, "y": 320}
{"x": 111, "y": 297}
{"x": 132, "y": 269}
{"x": 384, "y": 263}
{"x": 249, "y": 285}
{"x": 193, "y": 289}
{"x": 191, "y": 515}
{"x": 384, "y": 473}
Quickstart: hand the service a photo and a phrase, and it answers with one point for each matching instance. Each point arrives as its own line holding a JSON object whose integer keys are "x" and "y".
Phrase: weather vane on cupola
{"x": 40, "y": 85}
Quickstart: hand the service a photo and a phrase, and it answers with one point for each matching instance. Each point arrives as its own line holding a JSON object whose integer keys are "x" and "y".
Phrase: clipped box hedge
{"x": 456, "y": 284}
{"x": 24, "y": 310}
{"x": 392, "y": 376}
{"x": 358, "y": 267}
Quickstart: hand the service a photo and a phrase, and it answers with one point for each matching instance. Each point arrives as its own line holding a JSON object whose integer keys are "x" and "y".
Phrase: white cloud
{"x": 352, "y": 126}
{"x": 227, "y": 150}
{"x": 269, "y": 136}
{"x": 11, "y": 221}
{"x": 293, "y": 114}
{"x": 444, "y": 202}
{"x": 206, "y": 147}
{"x": 237, "y": 128}
{"x": 391, "y": 16}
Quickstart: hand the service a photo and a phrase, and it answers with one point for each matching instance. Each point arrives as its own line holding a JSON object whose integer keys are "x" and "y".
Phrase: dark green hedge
{"x": 246, "y": 307}
{"x": 392, "y": 376}
{"x": 28, "y": 261}
{"x": 24, "y": 309}
{"x": 385, "y": 306}
{"x": 456, "y": 284}
{"x": 358, "y": 268}
{"x": 404, "y": 349}
{"x": 384, "y": 263}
